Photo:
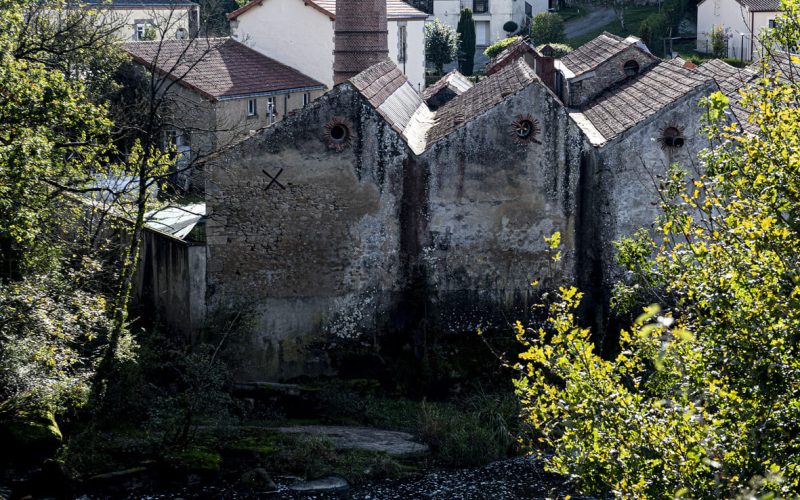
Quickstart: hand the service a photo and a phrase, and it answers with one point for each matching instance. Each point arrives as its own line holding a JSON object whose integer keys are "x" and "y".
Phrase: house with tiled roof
{"x": 742, "y": 22}
{"x": 220, "y": 89}
{"x": 151, "y": 19}
{"x": 300, "y": 33}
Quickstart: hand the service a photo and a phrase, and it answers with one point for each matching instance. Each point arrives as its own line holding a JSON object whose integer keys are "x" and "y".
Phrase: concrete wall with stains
{"x": 491, "y": 201}
{"x": 315, "y": 253}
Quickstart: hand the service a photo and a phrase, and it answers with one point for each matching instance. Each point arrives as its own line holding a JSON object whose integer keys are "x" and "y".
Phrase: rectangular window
{"x": 139, "y": 33}
{"x": 251, "y": 107}
{"x": 271, "y": 109}
{"x": 528, "y": 10}
{"x": 402, "y": 41}
{"x": 306, "y": 99}
{"x": 480, "y": 6}
{"x": 772, "y": 24}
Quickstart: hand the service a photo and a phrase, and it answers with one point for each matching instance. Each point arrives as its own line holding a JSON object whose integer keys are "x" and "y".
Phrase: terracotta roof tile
{"x": 453, "y": 80}
{"x": 590, "y": 55}
{"x": 480, "y": 98}
{"x": 395, "y": 9}
{"x": 218, "y": 67}
{"x": 622, "y": 107}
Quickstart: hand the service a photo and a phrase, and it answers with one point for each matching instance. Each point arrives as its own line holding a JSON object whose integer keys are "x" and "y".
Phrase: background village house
{"x": 300, "y": 34}
{"x": 223, "y": 91}
{"x": 742, "y": 21}
{"x": 152, "y": 19}
{"x": 491, "y": 15}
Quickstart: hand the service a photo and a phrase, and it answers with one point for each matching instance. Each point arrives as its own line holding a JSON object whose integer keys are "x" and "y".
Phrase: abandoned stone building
{"x": 368, "y": 211}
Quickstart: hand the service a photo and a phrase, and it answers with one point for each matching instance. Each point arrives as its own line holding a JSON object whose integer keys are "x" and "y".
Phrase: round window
{"x": 338, "y": 134}
{"x": 525, "y": 129}
{"x": 631, "y": 68}
{"x": 672, "y": 137}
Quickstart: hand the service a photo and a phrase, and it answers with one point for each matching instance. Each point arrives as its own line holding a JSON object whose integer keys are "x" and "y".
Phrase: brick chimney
{"x": 361, "y": 37}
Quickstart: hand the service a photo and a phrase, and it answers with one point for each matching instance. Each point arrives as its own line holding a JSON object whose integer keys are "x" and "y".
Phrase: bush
{"x": 496, "y": 48}
{"x": 547, "y": 27}
{"x": 701, "y": 399}
{"x": 719, "y": 41}
{"x": 559, "y": 49}
{"x": 466, "y": 44}
{"x": 510, "y": 27}
{"x": 441, "y": 44}
{"x": 652, "y": 31}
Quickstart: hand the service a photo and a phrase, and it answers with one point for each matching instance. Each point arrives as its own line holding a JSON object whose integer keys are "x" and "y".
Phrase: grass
{"x": 572, "y": 13}
{"x": 633, "y": 18}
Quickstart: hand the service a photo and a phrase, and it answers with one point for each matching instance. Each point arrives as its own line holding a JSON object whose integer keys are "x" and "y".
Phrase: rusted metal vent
{"x": 361, "y": 37}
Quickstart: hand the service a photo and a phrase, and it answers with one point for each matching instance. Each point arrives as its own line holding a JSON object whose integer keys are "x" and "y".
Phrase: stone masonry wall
{"x": 607, "y": 74}
{"x": 316, "y": 252}
{"x": 491, "y": 202}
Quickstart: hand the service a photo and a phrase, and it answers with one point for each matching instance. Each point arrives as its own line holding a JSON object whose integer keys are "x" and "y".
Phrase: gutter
{"x": 270, "y": 93}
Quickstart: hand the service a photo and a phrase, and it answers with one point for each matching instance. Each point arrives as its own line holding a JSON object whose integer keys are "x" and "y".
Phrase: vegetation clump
{"x": 496, "y": 48}
{"x": 547, "y": 27}
{"x": 441, "y": 44}
{"x": 700, "y": 400}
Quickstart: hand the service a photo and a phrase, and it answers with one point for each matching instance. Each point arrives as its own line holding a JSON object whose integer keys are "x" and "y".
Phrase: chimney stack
{"x": 361, "y": 37}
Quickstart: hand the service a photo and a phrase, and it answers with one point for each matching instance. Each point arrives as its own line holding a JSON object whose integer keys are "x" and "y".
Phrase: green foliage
{"x": 547, "y": 27}
{"x": 653, "y": 30}
{"x": 701, "y": 399}
{"x": 510, "y": 27}
{"x": 441, "y": 44}
{"x": 48, "y": 334}
{"x": 466, "y": 43}
{"x": 719, "y": 41}
{"x": 559, "y": 49}
{"x": 496, "y": 48}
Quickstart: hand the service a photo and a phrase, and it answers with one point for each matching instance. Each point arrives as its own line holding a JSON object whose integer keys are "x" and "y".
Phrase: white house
{"x": 151, "y": 19}
{"x": 742, "y": 21}
{"x": 299, "y": 33}
{"x": 490, "y": 15}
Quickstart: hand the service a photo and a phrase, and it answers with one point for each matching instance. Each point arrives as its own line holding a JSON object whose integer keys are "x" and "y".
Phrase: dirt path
{"x": 593, "y": 20}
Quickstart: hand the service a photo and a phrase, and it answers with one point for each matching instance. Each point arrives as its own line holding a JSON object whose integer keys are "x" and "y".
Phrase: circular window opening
{"x": 672, "y": 138}
{"x": 631, "y": 68}
{"x": 524, "y": 129}
{"x": 339, "y": 133}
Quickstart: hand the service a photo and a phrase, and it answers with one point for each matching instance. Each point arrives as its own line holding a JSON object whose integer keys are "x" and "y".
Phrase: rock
{"x": 362, "y": 438}
{"x": 258, "y": 479}
{"x": 329, "y": 484}
{"x": 30, "y": 435}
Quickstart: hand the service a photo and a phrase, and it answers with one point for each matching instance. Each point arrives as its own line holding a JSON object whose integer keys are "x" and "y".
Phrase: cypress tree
{"x": 466, "y": 47}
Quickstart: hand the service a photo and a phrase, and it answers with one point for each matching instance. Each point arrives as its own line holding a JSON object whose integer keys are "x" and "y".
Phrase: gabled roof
{"x": 219, "y": 68}
{"x": 593, "y": 53}
{"x": 395, "y": 9}
{"x": 141, "y": 4}
{"x": 516, "y": 49}
{"x": 453, "y": 80}
{"x": 758, "y": 5}
{"x": 483, "y": 96}
{"x": 730, "y": 80}
{"x": 621, "y": 107}
{"x": 387, "y": 89}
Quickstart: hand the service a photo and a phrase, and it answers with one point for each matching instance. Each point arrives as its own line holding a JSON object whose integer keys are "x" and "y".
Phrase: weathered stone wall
{"x": 628, "y": 171}
{"x": 606, "y": 75}
{"x": 491, "y": 201}
{"x": 316, "y": 252}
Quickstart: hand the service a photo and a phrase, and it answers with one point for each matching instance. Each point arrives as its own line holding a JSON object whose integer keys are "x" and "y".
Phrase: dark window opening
{"x": 480, "y": 6}
{"x": 339, "y": 133}
{"x": 631, "y": 68}
{"x": 672, "y": 138}
{"x": 524, "y": 129}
